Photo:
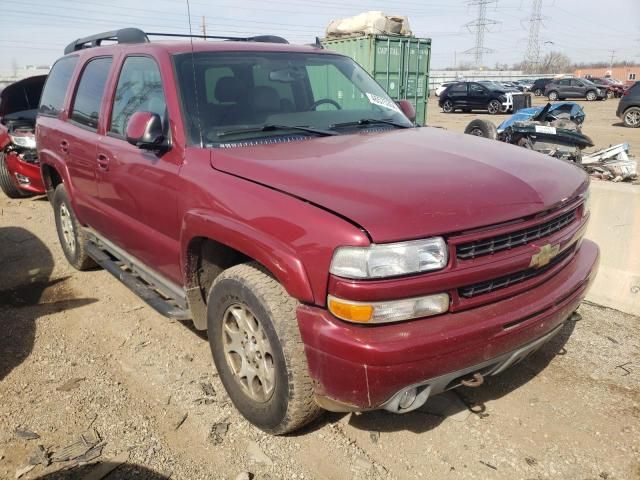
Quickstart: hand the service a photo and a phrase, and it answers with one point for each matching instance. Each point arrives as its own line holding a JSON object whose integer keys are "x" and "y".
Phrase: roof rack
{"x": 124, "y": 35}
{"x": 135, "y": 35}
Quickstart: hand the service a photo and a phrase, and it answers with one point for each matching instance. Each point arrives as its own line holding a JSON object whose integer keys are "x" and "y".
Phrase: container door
{"x": 388, "y": 65}
{"x": 416, "y": 56}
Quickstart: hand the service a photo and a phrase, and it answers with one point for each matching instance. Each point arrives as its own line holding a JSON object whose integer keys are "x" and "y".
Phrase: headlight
{"x": 24, "y": 141}
{"x": 586, "y": 205}
{"x": 391, "y": 259}
{"x": 390, "y": 311}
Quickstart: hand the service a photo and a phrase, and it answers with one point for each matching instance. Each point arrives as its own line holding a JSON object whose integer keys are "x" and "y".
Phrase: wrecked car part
{"x": 612, "y": 163}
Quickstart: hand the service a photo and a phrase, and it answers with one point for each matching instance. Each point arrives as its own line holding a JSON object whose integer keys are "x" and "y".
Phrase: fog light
{"x": 22, "y": 180}
{"x": 407, "y": 398}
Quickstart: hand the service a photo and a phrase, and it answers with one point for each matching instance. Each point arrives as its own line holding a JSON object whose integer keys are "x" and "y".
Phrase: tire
{"x": 591, "y": 96}
{"x": 276, "y": 356}
{"x": 553, "y": 96}
{"x": 538, "y": 92}
{"x": 6, "y": 184}
{"x": 494, "y": 107}
{"x": 482, "y": 128}
{"x": 447, "y": 106}
{"x": 631, "y": 117}
{"x": 72, "y": 237}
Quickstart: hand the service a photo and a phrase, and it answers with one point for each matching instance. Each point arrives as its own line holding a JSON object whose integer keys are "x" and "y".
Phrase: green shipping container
{"x": 399, "y": 64}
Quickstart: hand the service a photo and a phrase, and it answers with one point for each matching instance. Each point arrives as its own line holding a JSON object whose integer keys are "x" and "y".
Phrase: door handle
{"x": 64, "y": 146}
{"x": 103, "y": 162}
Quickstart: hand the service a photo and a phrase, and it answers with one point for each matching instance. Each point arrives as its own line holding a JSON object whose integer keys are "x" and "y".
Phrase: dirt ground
{"x": 79, "y": 352}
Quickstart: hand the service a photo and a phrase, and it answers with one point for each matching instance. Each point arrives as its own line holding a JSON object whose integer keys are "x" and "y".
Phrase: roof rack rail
{"x": 124, "y": 35}
{"x": 256, "y": 38}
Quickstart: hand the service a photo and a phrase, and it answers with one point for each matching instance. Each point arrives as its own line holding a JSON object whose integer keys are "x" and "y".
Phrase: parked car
{"x": 468, "y": 96}
{"x": 442, "y": 87}
{"x": 612, "y": 89}
{"x": 340, "y": 257}
{"x": 526, "y": 84}
{"x": 539, "y": 85}
{"x": 574, "y": 88}
{"x": 495, "y": 85}
{"x": 629, "y": 106}
{"x": 19, "y": 167}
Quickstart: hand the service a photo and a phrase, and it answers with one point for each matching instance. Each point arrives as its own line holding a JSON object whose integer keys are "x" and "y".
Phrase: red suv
{"x": 340, "y": 257}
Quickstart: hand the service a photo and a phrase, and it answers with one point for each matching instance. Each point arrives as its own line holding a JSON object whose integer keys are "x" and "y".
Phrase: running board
{"x": 147, "y": 291}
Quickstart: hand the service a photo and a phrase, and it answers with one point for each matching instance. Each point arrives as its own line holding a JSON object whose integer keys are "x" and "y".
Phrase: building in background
{"x": 628, "y": 74}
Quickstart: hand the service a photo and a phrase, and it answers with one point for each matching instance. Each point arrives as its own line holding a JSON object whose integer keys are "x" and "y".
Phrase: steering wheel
{"x": 322, "y": 101}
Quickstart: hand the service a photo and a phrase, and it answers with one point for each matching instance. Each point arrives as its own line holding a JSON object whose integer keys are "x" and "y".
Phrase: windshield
{"x": 238, "y": 93}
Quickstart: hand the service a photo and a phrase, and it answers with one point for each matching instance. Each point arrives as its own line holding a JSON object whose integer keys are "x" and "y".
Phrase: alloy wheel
{"x": 632, "y": 118}
{"x": 447, "y": 106}
{"x": 68, "y": 230}
{"x": 494, "y": 107}
{"x": 248, "y": 352}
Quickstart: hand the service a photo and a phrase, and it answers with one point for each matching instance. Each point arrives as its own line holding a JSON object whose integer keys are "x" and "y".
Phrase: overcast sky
{"x": 36, "y": 31}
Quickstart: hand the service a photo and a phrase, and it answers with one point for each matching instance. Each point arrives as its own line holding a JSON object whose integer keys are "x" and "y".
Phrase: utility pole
{"x": 613, "y": 55}
{"x": 479, "y": 27}
{"x": 203, "y": 27}
{"x": 532, "y": 57}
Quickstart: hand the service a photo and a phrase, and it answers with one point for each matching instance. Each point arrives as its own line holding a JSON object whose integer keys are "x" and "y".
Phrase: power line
{"x": 532, "y": 57}
{"x": 480, "y": 26}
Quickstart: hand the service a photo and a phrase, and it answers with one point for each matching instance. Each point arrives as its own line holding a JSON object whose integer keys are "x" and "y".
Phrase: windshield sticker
{"x": 382, "y": 102}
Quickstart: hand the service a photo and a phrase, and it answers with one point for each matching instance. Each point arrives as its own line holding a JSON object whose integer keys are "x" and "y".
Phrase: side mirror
{"x": 407, "y": 108}
{"x": 144, "y": 130}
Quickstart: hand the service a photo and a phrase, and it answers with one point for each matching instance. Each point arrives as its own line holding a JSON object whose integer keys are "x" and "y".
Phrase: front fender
{"x": 275, "y": 255}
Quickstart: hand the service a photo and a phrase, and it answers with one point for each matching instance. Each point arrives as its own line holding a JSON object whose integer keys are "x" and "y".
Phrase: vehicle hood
{"x": 407, "y": 184}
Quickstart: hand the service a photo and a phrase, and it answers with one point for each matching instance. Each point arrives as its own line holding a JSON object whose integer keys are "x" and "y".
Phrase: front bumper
{"x": 363, "y": 367}
{"x": 26, "y": 176}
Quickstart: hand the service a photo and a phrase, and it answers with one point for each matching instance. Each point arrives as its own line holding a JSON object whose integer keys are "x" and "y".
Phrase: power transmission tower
{"x": 479, "y": 26}
{"x": 613, "y": 55}
{"x": 532, "y": 57}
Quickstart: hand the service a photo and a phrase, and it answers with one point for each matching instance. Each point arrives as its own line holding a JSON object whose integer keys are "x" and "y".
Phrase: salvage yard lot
{"x": 601, "y": 123}
{"x": 79, "y": 351}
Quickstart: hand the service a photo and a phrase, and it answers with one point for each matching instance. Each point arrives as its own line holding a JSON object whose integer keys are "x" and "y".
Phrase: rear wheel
{"x": 447, "y": 106}
{"x": 482, "y": 128}
{"x": 257, "y": 349}
{"x": 537, "y": 92}
{"x": 73, "y": 239}
{"x": 591, "y": 95}
{"x": 494, "y": 107}
{"x": 6, "y": 184}
{"x": 631, "y": 117}
{"x": 553, "y": 96}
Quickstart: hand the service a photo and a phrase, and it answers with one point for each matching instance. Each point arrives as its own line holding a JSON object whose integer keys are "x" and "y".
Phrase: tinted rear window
{"x": 55, "y": 89}
{"x": 86, "y": 106}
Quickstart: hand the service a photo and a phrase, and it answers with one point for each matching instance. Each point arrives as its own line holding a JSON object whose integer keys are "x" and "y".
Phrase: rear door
{"x": 138, "y": 188}
{"x": 458, "y": 94}
{"x": 78, "y": 137}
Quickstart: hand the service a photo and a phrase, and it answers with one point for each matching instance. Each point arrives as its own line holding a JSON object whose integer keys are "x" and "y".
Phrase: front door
{"x": 478, "y": 96}
{"x": 138, "y": 188}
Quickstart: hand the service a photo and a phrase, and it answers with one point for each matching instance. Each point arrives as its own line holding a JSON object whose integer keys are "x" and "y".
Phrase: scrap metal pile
{"x": 556, "y": 130}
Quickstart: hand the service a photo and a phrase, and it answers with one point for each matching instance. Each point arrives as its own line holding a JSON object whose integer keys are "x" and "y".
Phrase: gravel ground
{"x": 81, "y": 353}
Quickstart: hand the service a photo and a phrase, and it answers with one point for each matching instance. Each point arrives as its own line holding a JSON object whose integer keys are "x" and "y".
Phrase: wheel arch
{"x": 211, "y": 244}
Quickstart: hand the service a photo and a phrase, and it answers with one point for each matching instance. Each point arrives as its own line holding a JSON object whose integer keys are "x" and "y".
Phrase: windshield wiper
{"x": 369, "y": 121}
{"x": 273, "y": 127}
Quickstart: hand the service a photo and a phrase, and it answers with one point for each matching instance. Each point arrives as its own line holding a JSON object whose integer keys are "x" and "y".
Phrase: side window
{"x": 475, "y": 89}
{"x": 214, "y": 91}
{"x": 86, "y": 105}
{"x": 564, "y": 83}
{"x": 459, "y": 88}
{"x": 139, "y": 90}
{"x": 55, "y": 88}
{"x": 577, "y": 83}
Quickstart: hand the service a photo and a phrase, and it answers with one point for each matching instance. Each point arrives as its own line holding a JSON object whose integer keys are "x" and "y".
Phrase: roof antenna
{"x": 195, "y": 84}
{"x": 318, "y": 44}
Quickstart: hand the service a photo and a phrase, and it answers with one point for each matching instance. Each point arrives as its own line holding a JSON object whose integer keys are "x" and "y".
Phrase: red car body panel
{"x": 409, "y": 184}
{"x": 290, "y": 205}
{"x": 363, "y": 366}
{"x": 16, "y": 165}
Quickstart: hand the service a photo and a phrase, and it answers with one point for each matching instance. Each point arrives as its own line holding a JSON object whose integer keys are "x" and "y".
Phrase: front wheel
{"x": 591, "y": 96}
{"x": 447, "y": 106}
{"x": 631, "y": 117}
{"x": 73, "y": 239}
{"x": 494, "y": 107}
{"x": 6, "y": 184}
{"x": 257, "y": 349}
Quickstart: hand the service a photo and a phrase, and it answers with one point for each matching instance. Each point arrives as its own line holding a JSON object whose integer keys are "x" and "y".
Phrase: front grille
{"x": 487, "y": 246}
{"x": 511, "y": 279}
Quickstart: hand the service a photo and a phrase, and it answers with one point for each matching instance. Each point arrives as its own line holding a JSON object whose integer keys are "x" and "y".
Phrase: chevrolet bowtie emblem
{"x": 544, "y": 256}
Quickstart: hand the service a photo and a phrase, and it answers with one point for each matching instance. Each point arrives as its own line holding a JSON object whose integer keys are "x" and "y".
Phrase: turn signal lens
{"x": 391, "y": 311}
